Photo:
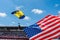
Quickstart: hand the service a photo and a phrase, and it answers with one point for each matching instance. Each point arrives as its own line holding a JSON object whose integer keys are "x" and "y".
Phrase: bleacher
{"x": 12, "y": 33}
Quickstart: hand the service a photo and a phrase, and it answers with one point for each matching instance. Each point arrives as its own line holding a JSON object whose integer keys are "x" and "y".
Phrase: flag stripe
{"x": 46, "y": 31}
{"x": 52, "y": 33}
{"x": 50, "y": 26}
{"x": 54, "y": 36}
{"x": 47, "y": 22}
{"x": 39, "y": 22}
{"x": 51, "y": 20}
{"x": 45, "y": 19}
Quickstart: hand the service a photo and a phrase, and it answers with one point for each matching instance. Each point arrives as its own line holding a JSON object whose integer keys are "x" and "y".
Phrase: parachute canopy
{"x": 19, "y": 14}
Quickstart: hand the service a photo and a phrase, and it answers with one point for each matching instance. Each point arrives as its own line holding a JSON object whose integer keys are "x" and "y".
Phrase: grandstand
{"x": 12, "y": 33}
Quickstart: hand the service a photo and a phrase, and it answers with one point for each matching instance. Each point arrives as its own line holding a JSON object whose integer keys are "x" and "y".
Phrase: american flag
{"x": 50, "y": 26}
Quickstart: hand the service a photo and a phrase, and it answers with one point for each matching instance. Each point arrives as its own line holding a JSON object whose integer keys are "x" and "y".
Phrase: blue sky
{"x": 34, "y": 11}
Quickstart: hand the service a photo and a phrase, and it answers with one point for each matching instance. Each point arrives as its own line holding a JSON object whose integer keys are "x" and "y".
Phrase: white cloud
{"x": 13, "y": 22}
{"x": 19, "y": 7}
{"x": 2, "y": 25}
{"x": 27, "y": 18}
{"x": 3, "y": 14}
{"x": 58, "y": 11}
{"x": 59, "y": 14}
{"x": 56, "y": 5}
{"x": 37, "y": 11}
{"x": 23, "y": 25}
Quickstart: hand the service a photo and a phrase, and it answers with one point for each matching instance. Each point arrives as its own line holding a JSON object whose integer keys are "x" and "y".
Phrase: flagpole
{"x": 19, "y": 26}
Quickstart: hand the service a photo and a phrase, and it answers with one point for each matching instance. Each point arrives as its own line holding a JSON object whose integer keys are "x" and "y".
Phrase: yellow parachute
{"x": 19, "y": 14}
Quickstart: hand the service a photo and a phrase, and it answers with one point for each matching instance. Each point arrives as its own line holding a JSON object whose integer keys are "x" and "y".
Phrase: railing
{"x": 14, "y": 39}
{"x": 13, "y": 35}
